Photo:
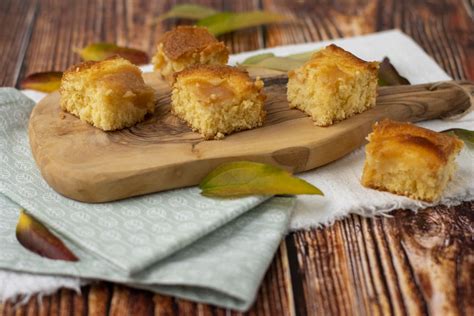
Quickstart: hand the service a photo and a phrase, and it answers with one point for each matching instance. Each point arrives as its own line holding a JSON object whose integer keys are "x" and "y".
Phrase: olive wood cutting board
{"x": 86, "y": 164}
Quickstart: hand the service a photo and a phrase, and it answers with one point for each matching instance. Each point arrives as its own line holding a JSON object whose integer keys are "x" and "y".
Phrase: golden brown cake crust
{"x": 109, "y": 94}
{"x": 344, "y": 58}
{"x": 341, "y": 58}
{"x": 187, "y": 39}
{"x": 96, "y": 65}
{"x": 212, "y": 71}
{"x": 233, "y": 79}
{"x": 333, "y": 86}
{"x": 217, "y": 100}
{"x": 409, "y": 160}
{"x": 350, "y": 58}
{"x": 439, "y": 145}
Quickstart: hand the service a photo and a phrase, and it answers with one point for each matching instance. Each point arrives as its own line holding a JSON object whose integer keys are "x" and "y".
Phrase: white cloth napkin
{"x": 339, "y": 180}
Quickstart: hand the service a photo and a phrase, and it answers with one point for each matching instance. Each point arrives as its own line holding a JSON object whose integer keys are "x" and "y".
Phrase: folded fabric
{"x": 340, "y": 180}
{"x": 223, "y": 268}
{"x": 176, "y": 242}
{"x": 132, "y": 233}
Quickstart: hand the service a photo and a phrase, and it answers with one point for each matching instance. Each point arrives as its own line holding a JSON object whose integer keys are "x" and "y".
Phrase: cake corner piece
{"x": 109, "y": 94}
{"x": 333, "y": 85}
{"x": 185, "y": 46}
{"x": 217, "y": 100}
{"x": 408, "y": 160}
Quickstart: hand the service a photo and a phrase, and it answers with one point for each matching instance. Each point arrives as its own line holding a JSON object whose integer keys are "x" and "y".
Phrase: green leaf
{"x": 244, "y": 178}
{"x": 275, "y": 63}
{"x": 466, "y": 135}
{"x": 35, "y": 237}
{"x": 389, "y": 76}
{"x": 101, "y": 51}
{"x": 302, "y": 56}
{"x": 188, "y": 11}
{"x": 225, "y": 22}
{"x": 42, "y": 81}
{"x": 252, "y": 60}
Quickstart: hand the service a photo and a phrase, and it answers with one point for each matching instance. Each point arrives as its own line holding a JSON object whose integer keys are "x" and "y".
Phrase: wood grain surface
{"x": 407, "y": 264}
{"x": 87, "y": 164}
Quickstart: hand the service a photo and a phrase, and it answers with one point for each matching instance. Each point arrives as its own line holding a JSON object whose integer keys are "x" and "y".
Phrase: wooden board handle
{"x": 428, "y": 101}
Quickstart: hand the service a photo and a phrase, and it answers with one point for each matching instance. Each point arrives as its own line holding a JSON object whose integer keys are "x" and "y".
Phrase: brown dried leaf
{"x": 389, "y": 76}
{"x": 48, "y": 81}
{"x": 101, "y": 51}
{"x": 35, "y": 237}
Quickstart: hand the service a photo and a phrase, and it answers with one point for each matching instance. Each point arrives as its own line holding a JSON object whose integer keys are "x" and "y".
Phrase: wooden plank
{"x": 17, "y": 20}
{"x": 443, "y": 28}
{"x": 44, "y": 305}
{"x": 65, "y": 302}
{"x": 363, "y": 264}
{"x": 99, "y": 297}
{"x": 404, "y": 266}
{"x": 163, "y": 305}
{"x": 32, "y": 306}
{"x": 78, "y": 304}
{"x": 141, "y": 303}
{"x": 128, "y": 23}
{"x": 120, "y": 300}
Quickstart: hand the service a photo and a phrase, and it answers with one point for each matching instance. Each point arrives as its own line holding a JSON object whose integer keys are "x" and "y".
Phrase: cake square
{"x": 333, "y": 85}
{"x": 218, "y": 100}
{"x": 185, "y": 46}
{"x": 109, "y": 94}
{"x": 409, "y": 160}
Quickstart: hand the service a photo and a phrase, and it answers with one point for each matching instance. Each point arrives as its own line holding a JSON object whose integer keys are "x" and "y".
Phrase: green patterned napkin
{"x": 176, "y": 242}
{"x": 224, "y": 268}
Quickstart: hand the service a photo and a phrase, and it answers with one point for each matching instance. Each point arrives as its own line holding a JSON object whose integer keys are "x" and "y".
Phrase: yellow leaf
{"x": 42, "y": 81}
{"x": 254, "y": 60}
{"x": 302, "y": 56}
{"x": 188, "y": 11}
{"x": 275, "y": 63}
{"x": 225, "y": 22}
{"x": 101, "y": 51}
{"x": 244, "y": 178}
{"x": 35, "y": 237}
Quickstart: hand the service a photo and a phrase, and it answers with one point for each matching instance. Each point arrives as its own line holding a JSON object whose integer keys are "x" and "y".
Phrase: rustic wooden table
{"x": 407, "y": 264}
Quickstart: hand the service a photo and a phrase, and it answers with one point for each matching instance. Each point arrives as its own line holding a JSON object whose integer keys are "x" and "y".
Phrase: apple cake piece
{"x": 409, "y": 160}
{"x": 216, "y": 100}
{"x": 108, "y": 94}
{"x": 333, "y": 85}
{"x": 185, "y": 46}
